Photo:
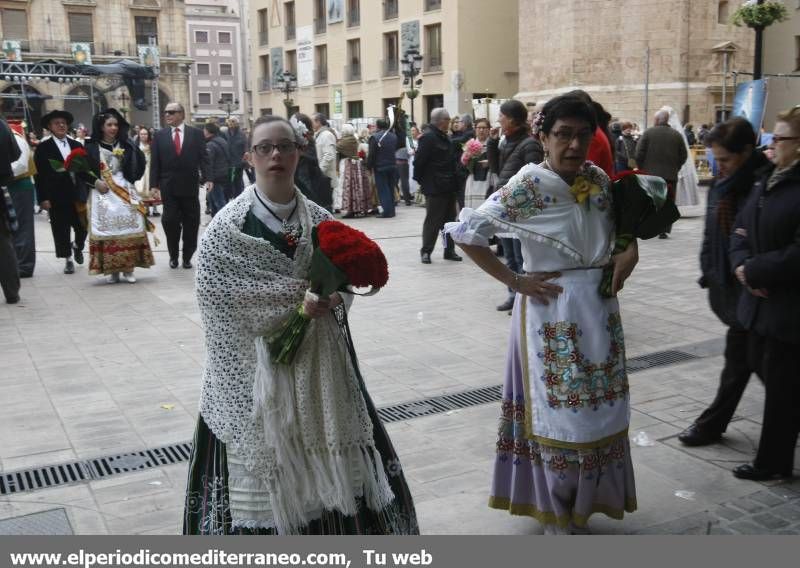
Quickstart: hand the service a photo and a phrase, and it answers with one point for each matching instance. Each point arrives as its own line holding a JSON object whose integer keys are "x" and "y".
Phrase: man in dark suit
{"x": 177, "y": 155}
{"x": 62, "y": 193}
{"x": 435, "y": 165}
{"x": 9, "y": 277}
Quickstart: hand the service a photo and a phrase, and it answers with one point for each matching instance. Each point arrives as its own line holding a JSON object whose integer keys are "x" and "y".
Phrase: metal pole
{"x": 91, "y": 95}
{"x": 646, "y": 87}
{"x": 724, "y": 86}
{"x": 758, "y": 51}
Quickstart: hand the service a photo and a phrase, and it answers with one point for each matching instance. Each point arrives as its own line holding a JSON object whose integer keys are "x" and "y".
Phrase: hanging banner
{"x": 276, "y": 64}
{"x": 12, "y": 50}
{"x": 750, "y": 102}
{"x": 82, "y": 53}
{"x": 338, "y": 104}
{"x": 409, "y": 36}
{"x": 305, "y": 56}
{"x": 149, "y": 56}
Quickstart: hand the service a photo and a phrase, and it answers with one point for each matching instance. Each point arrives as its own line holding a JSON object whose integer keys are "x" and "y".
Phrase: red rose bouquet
{"x": 343, "y": 259}
{"x": 76, "y": 162}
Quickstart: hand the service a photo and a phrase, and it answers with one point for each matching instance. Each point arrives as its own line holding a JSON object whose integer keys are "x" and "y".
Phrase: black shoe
{"x": 452, "y": 256}
{"x": 69, "y": 267}
{"x": 156, "y": 214}
{"x": 694, "y": 436}
{"x": 12, "y": 300}
{"x": 187, "y": 264}
{"x": 663, "y": 236}
{"x": 506, "y": 306}
{"x": 749, "y": 471}
{"x": 408, "y": 203}
{"x": 426, "y": 258}
{"x": 77, "y": 255}
{"x": 173, "y": 263}
{"x": 26, "y": 274}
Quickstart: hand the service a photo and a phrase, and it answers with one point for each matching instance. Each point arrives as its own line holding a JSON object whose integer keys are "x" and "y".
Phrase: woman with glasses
{"x": 481, "y": 181}
{"x": 563, "y": 451}
{"x": 282, "y": 449}
{"x": 765, "y": 255}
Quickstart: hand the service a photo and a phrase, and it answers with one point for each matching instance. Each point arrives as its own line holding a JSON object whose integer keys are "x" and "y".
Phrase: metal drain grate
{"x": 100, "y": 468}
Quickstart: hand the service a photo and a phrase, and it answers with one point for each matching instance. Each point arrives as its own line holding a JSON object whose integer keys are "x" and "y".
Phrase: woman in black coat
{"x": 765, "y": 256}
{"x": 518, "y": 148}
{"x": 733, "y": 144}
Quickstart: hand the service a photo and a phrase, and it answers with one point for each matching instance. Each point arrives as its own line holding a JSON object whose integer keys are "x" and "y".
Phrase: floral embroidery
{"x": 522, "y": 200}
{"x": 574, "y": 382}
{"x": 393, "y": 468}
{"x": 591, "y": 187}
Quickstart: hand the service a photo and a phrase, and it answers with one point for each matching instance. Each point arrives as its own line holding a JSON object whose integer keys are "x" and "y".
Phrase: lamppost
{"x": 412, "y": 66}
{"x": 228, "y": 105}
{"x": 287, "y": 84}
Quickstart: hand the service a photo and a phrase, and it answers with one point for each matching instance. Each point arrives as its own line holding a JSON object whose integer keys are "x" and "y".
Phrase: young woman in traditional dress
{"x": 353, "y": 176}
{"x": 563, "y": 451}
{"x": 282, "y": 449}
{"x": 118, "y": 221}
{"x": 143, "y": 184}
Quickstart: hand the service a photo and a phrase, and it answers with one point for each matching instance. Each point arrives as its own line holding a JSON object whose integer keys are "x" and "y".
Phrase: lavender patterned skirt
{"x": 554, "y": 485}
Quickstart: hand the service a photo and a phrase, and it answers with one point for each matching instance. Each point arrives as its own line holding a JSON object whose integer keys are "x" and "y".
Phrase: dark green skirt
{"x": 207, "y": 507}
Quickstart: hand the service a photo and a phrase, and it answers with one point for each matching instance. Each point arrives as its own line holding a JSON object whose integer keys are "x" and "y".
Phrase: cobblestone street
{"x": 90, "y": 370}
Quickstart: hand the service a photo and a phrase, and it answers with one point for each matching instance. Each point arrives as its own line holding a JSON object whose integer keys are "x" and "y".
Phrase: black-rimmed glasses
{"x": 266, "y": 148}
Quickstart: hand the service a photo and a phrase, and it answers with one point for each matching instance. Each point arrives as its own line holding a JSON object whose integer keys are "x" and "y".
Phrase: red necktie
{"x": 177, "y": 140}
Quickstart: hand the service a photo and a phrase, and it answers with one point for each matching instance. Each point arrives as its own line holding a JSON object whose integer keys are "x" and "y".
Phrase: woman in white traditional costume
{"x": 143, "y": 184}
{"x": 687, "y": 192}
{"x": 563, "y": 450}
{"x": 481, "y": 180}
{"x": 282, "y": 449}
{"x": 118, "y": 222}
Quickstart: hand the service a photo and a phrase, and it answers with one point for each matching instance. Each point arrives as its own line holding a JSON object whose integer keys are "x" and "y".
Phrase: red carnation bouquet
{"x": 344, "y": 260}
{"x": 76, "y": 162}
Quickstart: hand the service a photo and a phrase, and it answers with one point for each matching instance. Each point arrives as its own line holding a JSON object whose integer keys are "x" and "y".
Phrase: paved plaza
{"x": 89, "y": 370}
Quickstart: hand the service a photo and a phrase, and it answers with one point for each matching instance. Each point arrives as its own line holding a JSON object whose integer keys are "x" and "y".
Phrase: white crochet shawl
{"x": 302, "y": 431}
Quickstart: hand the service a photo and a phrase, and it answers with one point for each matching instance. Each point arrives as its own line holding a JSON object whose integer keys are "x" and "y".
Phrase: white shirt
{"x": 20, "y": 167}
{"x": 63, "y": 146}
{"x": 287, "y": 211}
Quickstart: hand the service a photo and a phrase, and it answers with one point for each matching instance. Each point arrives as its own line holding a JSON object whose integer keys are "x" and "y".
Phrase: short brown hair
{"x": 792, "y": 118}
{"x": 486, "y": 120}
{"x": 735, "y": 135}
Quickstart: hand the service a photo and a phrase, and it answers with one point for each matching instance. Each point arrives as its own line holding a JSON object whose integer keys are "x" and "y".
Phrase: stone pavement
{"x": 90, "y": 370}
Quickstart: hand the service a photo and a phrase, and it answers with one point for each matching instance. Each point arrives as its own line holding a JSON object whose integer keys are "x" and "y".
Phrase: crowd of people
{"x": 298, "y": 447}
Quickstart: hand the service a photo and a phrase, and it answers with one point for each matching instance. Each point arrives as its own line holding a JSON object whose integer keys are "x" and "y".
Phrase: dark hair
{"x": 735, "y": 135}
{"x": 516, "y": 111}
{"x": 321, "y": 118}
{"x": 305, "y": 120}
{"x": 139, "y": 133}
{"x": 486, "y": 120}
{"x": 269, "y": 118}
{"x": 211, "y": 128}
{"x": 567, "y": 106}
{"x": 99, "y": 121}
{"x": 382, "y": 124}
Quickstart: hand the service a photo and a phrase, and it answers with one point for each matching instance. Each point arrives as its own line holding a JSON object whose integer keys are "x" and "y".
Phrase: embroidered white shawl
{"x": 302, "y": 432}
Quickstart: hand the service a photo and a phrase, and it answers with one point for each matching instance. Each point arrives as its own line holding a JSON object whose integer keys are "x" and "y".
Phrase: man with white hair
{"x": 325, "y": 144}
{"x": 662, "y": 152}
{"x": 435, "y": 165}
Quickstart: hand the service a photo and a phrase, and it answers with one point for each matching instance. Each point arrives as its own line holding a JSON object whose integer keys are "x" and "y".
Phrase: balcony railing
{"x": 99, "y": 48}
{"x": 352, "y": 72}
{"x": 263, "y": 37}
{"x": 389, "y": 9}
{"x": 433, "y": 63}
{"x": 320, "y": 25}
{"x": 264, "y": 84}
{"x": 321, "y": 76}
{"x": 354, "y": 18}
{"x": 390, "y": 68}
{"x": 433, "y": 5}
{"x": 291, "y": 33}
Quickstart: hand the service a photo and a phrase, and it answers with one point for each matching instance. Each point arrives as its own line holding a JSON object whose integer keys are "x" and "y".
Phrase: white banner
{"x": 305, "y": 56}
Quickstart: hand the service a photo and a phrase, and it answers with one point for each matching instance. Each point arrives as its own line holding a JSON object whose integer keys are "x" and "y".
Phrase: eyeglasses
{"x": 171, "y": 111}
{"x": 776, "y": 139}
{"x": 266, "y": 148}
{"x": 567, "y": 136}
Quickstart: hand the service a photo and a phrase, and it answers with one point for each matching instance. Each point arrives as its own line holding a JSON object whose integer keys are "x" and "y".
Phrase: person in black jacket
{"x": 177, "y": 155}
{"x": 9, "y": 272}
{"x": 308, "y": 176}
{"x": 765, "y": 256}
{"x": 465, "y": 133}
{"x": 733, "y": 144}
{"x": 237, "y": 147}
{"x": 381, "y": 162}
{"x": 506, "y": 158}
{"x": 435, "y": 166}
{"x": 218, "y": 184}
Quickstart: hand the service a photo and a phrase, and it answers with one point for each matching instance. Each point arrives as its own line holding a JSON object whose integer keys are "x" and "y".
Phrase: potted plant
{"x": 759, "y": 15}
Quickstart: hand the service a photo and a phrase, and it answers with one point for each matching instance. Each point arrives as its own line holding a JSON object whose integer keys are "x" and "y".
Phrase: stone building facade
{"x": 782, "y": 57}
{"x": 346, "y": 54}
{"x": 47, "y": 29}
{"x": 601, "y": 47}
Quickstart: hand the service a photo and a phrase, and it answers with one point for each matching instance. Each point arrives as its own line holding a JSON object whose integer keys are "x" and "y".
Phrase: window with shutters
{"x": 224, "y": 37}
{"x": 204, "y": 98}
{"x": 80, "y": 27}
{"x": 263, "y": 27}
{"x": 226, "y": 69}
{"x": 203, "y": 69}
{"x": 145, "y": 27}
{"x": 355, "y": 109}
{"x": 200, "y": 37}
{"x": 15, "y": 24}
{"x": 225, "y": 98}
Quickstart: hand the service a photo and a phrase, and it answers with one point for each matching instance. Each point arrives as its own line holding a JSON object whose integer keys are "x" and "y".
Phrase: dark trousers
{"x": 781, "y": 423}
{"x": 181, "y": 216}
{"x": 237, "y": 186}
{"x": 512, "y": 251}
{"x": 63, "y": 219}
{"x": 385, "y": 181}
{"x": 439, "y": 209}
{"x": 9, "y": 273}
{"x": 462, "y": 192}
{"x": 405, "y": 188}
{"x": 24, "y": 239}
{"x": 732, "y": 382}
{"x": 672, "y": 192}
{"x": 217, "y": 197}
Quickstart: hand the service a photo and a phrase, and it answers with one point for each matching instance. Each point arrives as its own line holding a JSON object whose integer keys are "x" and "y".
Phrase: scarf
{"x": 299, "y": 437}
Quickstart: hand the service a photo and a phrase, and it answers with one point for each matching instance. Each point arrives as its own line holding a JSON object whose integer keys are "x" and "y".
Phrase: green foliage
{"x": 760, "y": 15}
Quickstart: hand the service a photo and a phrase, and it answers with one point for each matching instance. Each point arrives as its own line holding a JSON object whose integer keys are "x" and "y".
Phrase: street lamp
{"x": 287, "y": 84}
{"x": 412, "y": 66}
{"x": 228, "y": 105}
